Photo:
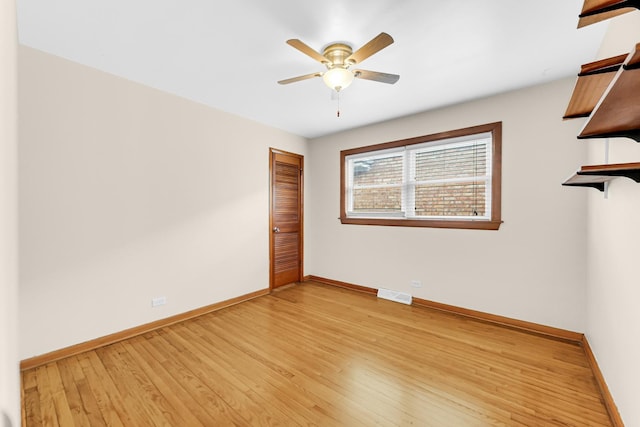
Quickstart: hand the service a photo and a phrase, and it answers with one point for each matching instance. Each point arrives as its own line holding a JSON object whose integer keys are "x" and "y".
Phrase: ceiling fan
{"x": 339, "y": 57}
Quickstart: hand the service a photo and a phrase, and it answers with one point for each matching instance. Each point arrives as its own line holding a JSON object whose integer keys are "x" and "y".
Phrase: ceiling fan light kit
{"x": 338, "y": 78}
{"x": 338, "y": 57}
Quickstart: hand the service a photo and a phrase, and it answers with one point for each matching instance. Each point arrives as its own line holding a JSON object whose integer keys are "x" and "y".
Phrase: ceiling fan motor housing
{"x": 336, "y": 54}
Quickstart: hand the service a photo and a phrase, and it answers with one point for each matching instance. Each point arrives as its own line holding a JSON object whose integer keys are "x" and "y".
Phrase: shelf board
{"x": 629, "y": 170}
{"x": 593, "y": 80}
{"x": 596, "y": 176}
{"x": 617, "y": 113}
{"x": 598, "y": 10}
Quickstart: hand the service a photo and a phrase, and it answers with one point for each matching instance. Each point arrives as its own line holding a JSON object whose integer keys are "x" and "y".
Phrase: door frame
{"x": 272, "y": 153}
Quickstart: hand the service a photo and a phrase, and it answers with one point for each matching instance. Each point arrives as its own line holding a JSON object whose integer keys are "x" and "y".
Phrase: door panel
{"x": 286, "y": 218}
{"x": 287, "y": 258}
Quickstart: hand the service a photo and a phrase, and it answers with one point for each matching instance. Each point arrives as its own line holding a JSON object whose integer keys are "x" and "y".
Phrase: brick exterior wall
{"x": 439, "y": 199}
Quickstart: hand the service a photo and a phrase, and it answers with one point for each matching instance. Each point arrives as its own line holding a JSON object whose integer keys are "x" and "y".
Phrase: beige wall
{"x": 9, "y": 379}
{"x": 613, "y": 291}
{"x": 127, "y": 193}
{"x": 532, "y": 269}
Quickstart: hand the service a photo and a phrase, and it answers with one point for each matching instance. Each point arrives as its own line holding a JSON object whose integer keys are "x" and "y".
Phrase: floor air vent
{"x": 396, "y": 296}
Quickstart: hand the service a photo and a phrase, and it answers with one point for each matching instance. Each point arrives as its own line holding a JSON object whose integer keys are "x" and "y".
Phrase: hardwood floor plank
{"x": 48, "y": 413}
{"x": 60, "y": 397}
{"x": 102, "y": 387}
{"x": 313, "y": 354}
{"x": 81, "y": 400}
{"x": 31, "y": 399}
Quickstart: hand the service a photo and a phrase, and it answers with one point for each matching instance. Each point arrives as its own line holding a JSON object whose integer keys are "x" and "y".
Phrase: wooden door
{"x": 285, "y": 219}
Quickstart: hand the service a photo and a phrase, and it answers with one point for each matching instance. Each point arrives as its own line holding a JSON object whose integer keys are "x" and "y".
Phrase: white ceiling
{"x": 229, "y": 54}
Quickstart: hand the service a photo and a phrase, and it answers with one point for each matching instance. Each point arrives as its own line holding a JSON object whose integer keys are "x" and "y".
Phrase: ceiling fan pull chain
{"x": 338, "y": 112}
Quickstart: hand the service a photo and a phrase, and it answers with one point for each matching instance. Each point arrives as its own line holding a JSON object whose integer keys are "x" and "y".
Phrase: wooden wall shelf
{"x": 598, "y": 10}
{"x": 596, "y": 176}
{"x": 607, "y": 92}
{"x": 593, "y": 80}
{"x": 596, "y": 182}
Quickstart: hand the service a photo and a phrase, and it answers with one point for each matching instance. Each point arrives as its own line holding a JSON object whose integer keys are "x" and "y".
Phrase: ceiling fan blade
{"x": 376, "y": 76}
{"x": 375, "y": 45}
{"x": 304, "y": 48}
{"x": 299, "y": 78}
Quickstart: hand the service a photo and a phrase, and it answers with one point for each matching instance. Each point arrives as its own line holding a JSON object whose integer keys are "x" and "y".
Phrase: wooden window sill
{"x": 461, "y": 224}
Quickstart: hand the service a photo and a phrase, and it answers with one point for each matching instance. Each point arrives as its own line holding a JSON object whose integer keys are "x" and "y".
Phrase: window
{"x": 451, "y": 180}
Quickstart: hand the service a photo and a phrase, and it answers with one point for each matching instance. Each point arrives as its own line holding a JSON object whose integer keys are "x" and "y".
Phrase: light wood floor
{"x": 318, "y": 355}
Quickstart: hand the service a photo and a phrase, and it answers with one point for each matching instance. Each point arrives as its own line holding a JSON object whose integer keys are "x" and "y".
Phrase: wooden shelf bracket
{"x": 596, "y": 176}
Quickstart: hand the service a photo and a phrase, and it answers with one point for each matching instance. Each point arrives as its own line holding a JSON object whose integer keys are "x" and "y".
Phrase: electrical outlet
{"x": 416, "y": 284}
{"x": 158, "y": 301}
